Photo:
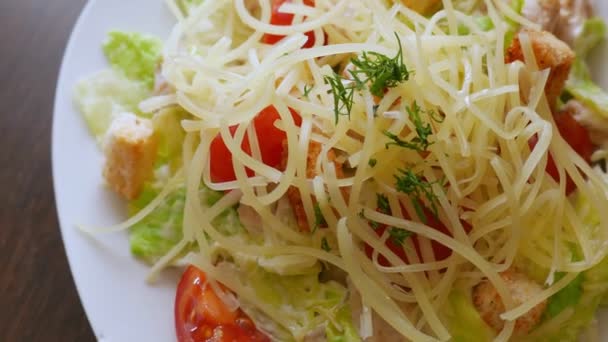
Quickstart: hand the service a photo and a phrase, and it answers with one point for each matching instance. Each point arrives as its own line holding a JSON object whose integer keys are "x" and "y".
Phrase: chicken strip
{"x": 490, "y": 305}
{"x": 550, "y": 53}
{"x": 295, "y": 199}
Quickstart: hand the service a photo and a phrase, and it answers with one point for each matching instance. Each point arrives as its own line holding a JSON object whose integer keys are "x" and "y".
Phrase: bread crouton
{"x": 550, "y": 53}
{"x": 490, "y": 305}
{"x": 293, "y": 194}
{"x": 130, "y": 151}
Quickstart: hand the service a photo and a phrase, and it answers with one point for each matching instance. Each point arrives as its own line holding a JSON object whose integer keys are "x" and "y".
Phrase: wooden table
{"x": 38, "y": 299}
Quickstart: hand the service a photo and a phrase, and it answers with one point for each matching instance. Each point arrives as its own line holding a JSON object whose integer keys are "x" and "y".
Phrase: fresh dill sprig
{"x": 307, "y": 90}
{"x": 423, "y": 130}
{"x": 325, "y": 245}
{"x": 343, "y": 95}
{"x": 382, "y": 204}
{"x": 379, "y": 71}
{"x": 417, "y": 188}
{"x": 398, "y": 235}
{"x": 319, "y": 219}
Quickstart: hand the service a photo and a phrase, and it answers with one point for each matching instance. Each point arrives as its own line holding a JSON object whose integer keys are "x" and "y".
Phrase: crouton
{"x": 490, "y": 306}
{"x": 295, "y": 199}
{"x": 551, "y": 53}
{"x": 130, "y": 151}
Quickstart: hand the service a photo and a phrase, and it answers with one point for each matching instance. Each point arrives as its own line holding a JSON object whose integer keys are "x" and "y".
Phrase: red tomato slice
{"x": 285, "y": 19}
{"x": 200, "y": 316}
{"x": 577, "y": 137}
{"x": 270, "y": 140}
{"x": 440, "y": 251}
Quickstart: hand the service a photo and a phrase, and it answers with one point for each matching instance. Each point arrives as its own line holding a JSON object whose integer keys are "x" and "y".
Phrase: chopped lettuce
{"x": 579, "y": 84}
{"x": 583, "y": 295}
{"x": 133, "y": 54}
{"x": 101, "y": 97}
{"x": 582, "y": 88}
{"x": 566, "y": 297}
{"x": 104, "y": 95}
{"x": 305, "y": 303}
{"x": 593, "y": 33}
{"x": 186, "y": 5}
{"x": 167, "y": 125}
{"x": 464, "y": 320}
{"x": 157, "y": 233}
{"x": 343, "y": 330}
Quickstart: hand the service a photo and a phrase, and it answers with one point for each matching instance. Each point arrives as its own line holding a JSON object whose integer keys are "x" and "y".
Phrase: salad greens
{"x": 134, "y": 55}
{"x": 580, "y": 85}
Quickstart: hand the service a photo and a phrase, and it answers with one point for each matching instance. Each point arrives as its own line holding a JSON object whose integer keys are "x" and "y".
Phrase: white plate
{"x": 119, "y": 304}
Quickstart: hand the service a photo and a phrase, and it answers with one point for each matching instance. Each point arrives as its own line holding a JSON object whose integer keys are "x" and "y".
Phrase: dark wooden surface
{"x": 38, "y": 299}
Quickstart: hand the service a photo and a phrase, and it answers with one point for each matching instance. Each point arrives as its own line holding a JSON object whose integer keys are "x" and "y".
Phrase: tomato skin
{"x": 270, "y": 140}
{"x": 285, "y": 19}
{"x": 440, "y": 251}
{"x": 201, "y": 316}
{"x": 577, "y": 137}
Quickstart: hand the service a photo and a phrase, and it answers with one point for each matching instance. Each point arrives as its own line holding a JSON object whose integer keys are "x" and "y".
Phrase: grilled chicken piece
{"x": 550, "y": 53}
{"x": 295, "y": 199}
{"x": 490, "y": 305}
{"x": 130, "y": 150}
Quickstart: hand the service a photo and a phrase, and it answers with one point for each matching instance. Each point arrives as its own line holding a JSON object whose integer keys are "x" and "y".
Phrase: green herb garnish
{"x": 379, "y": 71}
{"x": 307, "y": 89}
{"x": 372, "y": 162}
{"x": 399, "y": 235}
{"x": 319, "y": 219}
{"x": 325, "y": 245}
{"x": 343, "y": 95}
{"x": 423, "y": 130}
{"x": 382, "y": 204}
{"x": 415, "y": 186}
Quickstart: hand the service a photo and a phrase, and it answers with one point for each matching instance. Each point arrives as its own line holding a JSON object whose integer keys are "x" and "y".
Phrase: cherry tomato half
{"x": 270, "y": 140}
{"x": 440, "y": 251}
{"x": 576, "y": 136}
{"x": 285, "y": 19}
{"x": 200, "y": 316}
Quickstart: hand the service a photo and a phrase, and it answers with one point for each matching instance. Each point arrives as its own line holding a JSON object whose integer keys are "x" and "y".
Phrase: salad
{"x": 363, "y": 170}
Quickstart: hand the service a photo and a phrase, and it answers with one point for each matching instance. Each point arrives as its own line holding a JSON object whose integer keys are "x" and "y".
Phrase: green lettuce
{"x": 306, "y": 303}
{"x": 167, "y": 125}
{"x": 592, "y": 34}
{"x": 464, "y": 320}
{"x": 133, "y": 54}
{"x": 566, "y": 297}
{"x": 580, "y": 86}
{"x": 104, "y": 95}
{"x": 187, "y": 5}
{"x": 157, "y": 233}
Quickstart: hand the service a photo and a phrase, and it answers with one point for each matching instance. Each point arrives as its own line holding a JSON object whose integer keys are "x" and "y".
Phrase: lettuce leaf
{"x": 464, "y": 320}
{"x": 167, "y": 125}
{"x": 104, "y": 95}
{"x": 346, "y": 332}
{"x": 133, "y": 54}
{"x": 579, "y": 84}
{"x": 186, "y": 5}
{"x": 306, "y": 303}
{"x": 582, "y": 88}
{"x": 566, "y": 297}
{"x": 592, "y": 34}
{"x": 157, "y": 233}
